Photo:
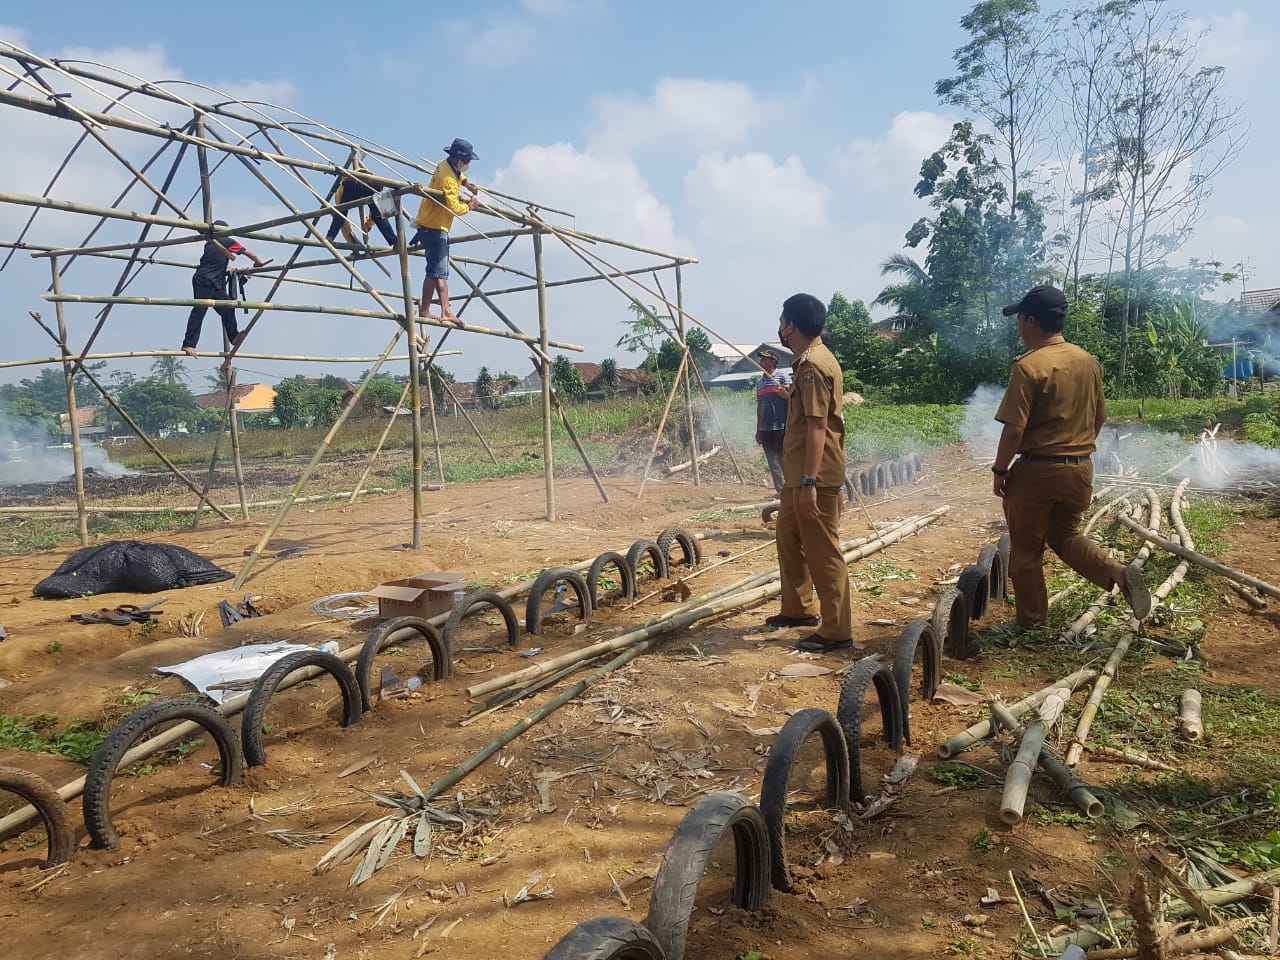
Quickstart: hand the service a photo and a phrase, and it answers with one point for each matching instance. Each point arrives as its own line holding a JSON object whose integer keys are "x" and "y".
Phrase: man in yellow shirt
{"x": 435, "y": 217}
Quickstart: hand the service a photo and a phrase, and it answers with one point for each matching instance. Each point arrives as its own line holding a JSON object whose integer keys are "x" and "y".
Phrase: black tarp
{"x": 128, "y": 566}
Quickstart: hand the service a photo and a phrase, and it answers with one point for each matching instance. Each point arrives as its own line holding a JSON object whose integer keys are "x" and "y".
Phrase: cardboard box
{"x": 423, "y": 595}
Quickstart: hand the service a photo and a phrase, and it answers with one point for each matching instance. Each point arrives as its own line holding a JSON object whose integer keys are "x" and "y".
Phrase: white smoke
{"x": 979, "y": 429}
{"x": 23, "y": 460}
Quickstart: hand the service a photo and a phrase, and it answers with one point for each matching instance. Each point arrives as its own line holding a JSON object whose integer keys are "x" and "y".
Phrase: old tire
{"x": 1003, "y": 546}
{"x": 626, "y": 575}
{"x": 975, "y": 587}
{"x": 471, "y": 603}
{"x": 895, "y": 474}
{"x": 255, "y": 711}
{"x": 882, "y": 480}
{"x": 686, "y": 859}
{"x": 850, "y": 491}
{"x": 867, "y": 673}
{"x": 647, "y": 548}
{"x": 553, "y": 577}
{"x": 690, "y": 549}
{"x": 951, "y": 624}
{"x": 992, "y": 564}
{"x": 102, "y": 768}
{"x": 907, "y": 467}
{"x": 607, "y": 938}
{"x": 917, "y": 637}
{"x": 401, "y": 630}
{"x": 38, "y": 792}
{"x": 777, "y": 775}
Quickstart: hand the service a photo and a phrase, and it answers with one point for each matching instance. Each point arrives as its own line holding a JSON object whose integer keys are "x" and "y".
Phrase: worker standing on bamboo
{"x": 352, "y": 188}
{"x": 209, "y": 282}
{"x": 435, "y": 217}
{"x": 808, "y": 535}
{"x": 1052, "y": 412}
{"x": 771, "y": 414}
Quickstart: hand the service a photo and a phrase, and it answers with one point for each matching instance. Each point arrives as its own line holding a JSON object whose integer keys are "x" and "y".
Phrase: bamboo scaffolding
{"x": 1213, "y": 566}
{"x": 73, "y": 417}
{"x": 666, "y": 410}
{"x": 544, "y": 367}
{"x": 124, "y": 509}
{"x": 142, "y": 354}
{"x": 955, "y": 745}
{"x": 213, "y": 457}
{"x": 688, "y": 386}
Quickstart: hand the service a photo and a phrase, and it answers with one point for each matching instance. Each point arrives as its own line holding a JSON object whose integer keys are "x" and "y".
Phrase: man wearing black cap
{"x": 771, "y": 414}
{"x": 209, "y": 282}
{"x": 1052, "y": 412}
{"x": 435, "y": 217}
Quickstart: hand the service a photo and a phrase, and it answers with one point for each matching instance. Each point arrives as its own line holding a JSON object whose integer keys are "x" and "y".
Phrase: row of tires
{"x": 759, "y": 833}
{"x": 869, "y": 480}
{"x": 356, "y": 688}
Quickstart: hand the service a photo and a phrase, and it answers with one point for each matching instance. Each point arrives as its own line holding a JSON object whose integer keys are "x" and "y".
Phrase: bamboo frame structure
{"x": 275, "y": 150}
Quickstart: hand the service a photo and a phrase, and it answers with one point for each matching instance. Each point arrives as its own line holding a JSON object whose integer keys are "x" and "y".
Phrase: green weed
{"x": 984, "y": 842}
{"x": 77, "y": 741}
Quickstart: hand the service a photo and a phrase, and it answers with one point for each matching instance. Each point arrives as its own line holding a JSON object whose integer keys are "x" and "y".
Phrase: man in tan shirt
{"x": 808, "y": 535}
{"x": 1052, "y": 412}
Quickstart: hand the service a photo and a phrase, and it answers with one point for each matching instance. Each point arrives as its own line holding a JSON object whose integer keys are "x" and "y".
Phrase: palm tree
{"x": 908, "y": 299}
{"x": 220, "y": 379}
{"x": 170, "y": 370}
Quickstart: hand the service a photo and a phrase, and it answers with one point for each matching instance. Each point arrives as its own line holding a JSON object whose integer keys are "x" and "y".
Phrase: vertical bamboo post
{"x": 548, "y": 468}
{"x": 213, "y": 457}
{"x": 662, "y": 424}
{"x": 316, "y": 458}
{"x": 435, "y": 427}
{"x": 234, "y": 421}
{"x": 688, "y": 385}
{"x": 77, "y": 456}
{"x": 404, "y": 395}
{"x": 413, "y": 386}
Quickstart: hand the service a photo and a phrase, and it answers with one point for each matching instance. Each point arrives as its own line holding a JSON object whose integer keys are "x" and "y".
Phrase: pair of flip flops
{"x": 241, "y": 611}
{"x": 817, "y": 644}
{"x": 120, "y": 616}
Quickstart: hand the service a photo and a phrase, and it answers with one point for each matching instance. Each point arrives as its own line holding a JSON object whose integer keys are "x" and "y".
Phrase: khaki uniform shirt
{"x": 1054, "y": 395}
{"x": 817, "y": 390}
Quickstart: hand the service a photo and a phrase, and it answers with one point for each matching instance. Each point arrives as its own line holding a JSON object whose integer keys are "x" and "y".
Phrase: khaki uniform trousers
{"x": 1043, "y": 503}
{"x": 809, "y": 558}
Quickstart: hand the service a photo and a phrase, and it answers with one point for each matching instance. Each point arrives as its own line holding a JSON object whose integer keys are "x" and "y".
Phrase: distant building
{"x": 86, "y": 421}
{"x": 247, "y": 398}
{"x": 742, "y": 373}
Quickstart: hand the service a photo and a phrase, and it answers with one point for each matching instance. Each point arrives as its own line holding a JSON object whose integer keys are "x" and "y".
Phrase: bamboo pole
{"x": 1062, "y": 775}
{"x": 1018, "y": 779}
{"x": 391, "y": 420}
{"x": 435, "y": 428}
{"x": 69, "y": 509}
{"x": 143, "y": 354}
{"x": 955, "y": 745}
{"x": 413, "y": 387}
{"x": 1189, "y": 723}
{"x": 1195, "y": 942}
{"x": 315, "y": 461}
{"x": 213, "y": 457}
{"x": 1095, "y": 700}
{"x": 73, "y": 419}
{"x": 688, "y": 385}
{"x": 662, "y": 423}
{"x": 544, "y": 366}
{"x": 1209, "y": 564}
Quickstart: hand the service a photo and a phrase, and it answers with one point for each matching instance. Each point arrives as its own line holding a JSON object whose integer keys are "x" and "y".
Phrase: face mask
{"x": 782, "y": 339}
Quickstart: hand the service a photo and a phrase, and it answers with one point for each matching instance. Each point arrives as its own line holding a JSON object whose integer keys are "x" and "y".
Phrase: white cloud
{"x": 620, "y": 201}
{"x": 749, "y": 198}
{"x": 1233, "y": 41}
{"x": 894, "y": 159}
{"x": 692, "y": 113}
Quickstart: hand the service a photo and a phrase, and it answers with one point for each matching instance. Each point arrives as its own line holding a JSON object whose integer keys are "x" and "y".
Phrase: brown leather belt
{"x": 1041, "y": 458}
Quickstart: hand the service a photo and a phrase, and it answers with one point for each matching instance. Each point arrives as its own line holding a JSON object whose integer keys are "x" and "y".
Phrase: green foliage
{"x": 170, "y": 370}
{"x": 607, "y": 382}
{"x": 300, "y": 403}
{"x": 26, "y": 420}
{"x": 984, "y": 842}
{"x": 484, "y": 389}
{"x": 876, "y": 431}
{"x": 1262, "y": 429}
{"x": 379, "y": 393}
{"x": 78, "y": 741}
{"x": 954, "y": 774}
{"x": 566, "y": 380}
{"x": 157, "y": 405}
{"x": 865, "y": 358}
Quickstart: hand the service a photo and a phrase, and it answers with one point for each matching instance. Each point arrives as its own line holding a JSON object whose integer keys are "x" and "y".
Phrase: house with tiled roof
{"x": 246, "y": 398}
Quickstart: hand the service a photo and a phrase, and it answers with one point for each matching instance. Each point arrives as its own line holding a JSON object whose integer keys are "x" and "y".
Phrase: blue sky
{"x": 777, "y": 144}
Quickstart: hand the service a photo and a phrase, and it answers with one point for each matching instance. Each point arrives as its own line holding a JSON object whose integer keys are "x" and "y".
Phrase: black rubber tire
{"x": 607, "y": 938}
{"x": 918, "y": 636}
{"x": 40, "y": 793}
{"x": 255, "y": 711}
{"x": 648, "y": 548}
{"x": 473, "y": 602}
{"x": 777, "y": 773}
{"x": 976, "y": 589}
{"x": 918, "y": 460}
{"x": 626, "y": 574}
{"x": 865, "y": 482}
{"x": 400, "y": 630}
{"x": 1003, "y": 546}
{"x": 863, "y": 674}
{"x": 685, "y": 861}
{"x": 849, "y": 489}
{"x": 895, "y": 474}
{"x": 770, "y": 512}
{"x": 951, "y": 624}
{"x": 882, "y": 479}
{"x": 690, "y": 549}
{"x": 908, "y": 469}
{"x": 990, "y": 563}
{"x": 102, "y": 768}
{"x": 551, "y": 577}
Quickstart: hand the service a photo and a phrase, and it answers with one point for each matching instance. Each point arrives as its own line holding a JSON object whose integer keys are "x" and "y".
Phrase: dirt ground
{"x": 583, "y": 802}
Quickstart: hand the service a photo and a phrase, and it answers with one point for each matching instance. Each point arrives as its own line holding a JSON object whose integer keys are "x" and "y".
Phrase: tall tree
{"x": 484, "y": 388}
{"x": 170, "y": 370}
{"x": 157, "y": 405}
{"x": 854, "y": 342}
{"x": 608, "y": 379}
{"x": 1172, "y": 131}
{"x": 566, "y": 379}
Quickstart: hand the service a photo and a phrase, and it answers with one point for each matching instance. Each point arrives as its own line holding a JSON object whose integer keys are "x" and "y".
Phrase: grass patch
{"x": 38, "y": 733}
{"x": 875, "y": 431}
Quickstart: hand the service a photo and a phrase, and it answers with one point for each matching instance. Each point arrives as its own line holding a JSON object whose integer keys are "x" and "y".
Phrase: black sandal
{"x": 817, "y": 644}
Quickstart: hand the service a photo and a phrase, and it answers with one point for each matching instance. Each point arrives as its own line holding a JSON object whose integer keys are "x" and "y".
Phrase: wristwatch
{"x": 999, "y": 473}
{"x": 808, "y": 481}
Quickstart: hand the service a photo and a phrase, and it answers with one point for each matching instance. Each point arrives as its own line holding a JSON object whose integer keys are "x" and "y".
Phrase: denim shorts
{"x": 435, "y": 247}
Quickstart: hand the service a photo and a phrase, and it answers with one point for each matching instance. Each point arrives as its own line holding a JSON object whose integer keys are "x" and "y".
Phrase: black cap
{"x": 220, "y": 223}
{"x": 1039, "y": 302}
{"x": 462, "y": 150}
{"x": 767, "y": 355}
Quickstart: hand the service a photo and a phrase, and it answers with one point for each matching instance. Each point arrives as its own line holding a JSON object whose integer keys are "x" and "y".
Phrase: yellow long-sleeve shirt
{"x": 437, "y": 214}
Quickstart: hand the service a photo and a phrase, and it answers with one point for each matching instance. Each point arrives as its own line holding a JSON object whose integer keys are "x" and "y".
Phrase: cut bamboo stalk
{"x": 1018, "y": 779}
{"x": 54, "y": 510}
{"x": 960, "y": 742}
{"x": 1209, "y": 564}
{"x": 1127, "y": 756}
{"x": 1190, "y": 725}
{"x": 1059, "y": 772}
{"x": 544, "y": 367}
{"x": 681, "y": 467}
{"x": 1193, "y": 898}
{"x": 1095, "y": 699}
{"x": 662, "y": 423}
{"x": 1228, "y": 893}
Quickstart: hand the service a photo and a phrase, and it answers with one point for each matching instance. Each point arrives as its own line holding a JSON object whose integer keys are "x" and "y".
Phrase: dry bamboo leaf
{"x": 347, "y": 847}
{"x": 804, "y": 670}
{"x": 357, "y": 767}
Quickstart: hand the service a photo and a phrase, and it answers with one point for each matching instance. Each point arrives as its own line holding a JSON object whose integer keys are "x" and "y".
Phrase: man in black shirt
{"x": 210, "y": 283}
